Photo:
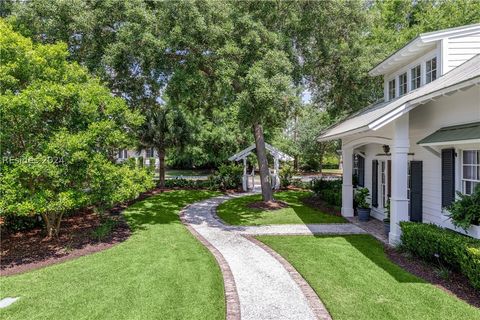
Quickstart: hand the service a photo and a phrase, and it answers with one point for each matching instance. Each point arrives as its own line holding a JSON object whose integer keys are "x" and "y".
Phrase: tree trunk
{"x": 52, "y": 223}
{"x": 161, "y": 167}
{"x": 267, "y": 193}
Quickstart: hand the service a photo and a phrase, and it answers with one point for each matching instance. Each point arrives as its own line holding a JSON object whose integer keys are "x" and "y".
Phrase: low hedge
{"x": 438, "y": 245}
{"x": 188, "y": 183}
{"x": 328, "y": 190}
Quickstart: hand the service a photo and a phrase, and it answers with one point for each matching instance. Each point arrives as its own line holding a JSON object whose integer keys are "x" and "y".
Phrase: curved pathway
{"x": 259, "y": 284}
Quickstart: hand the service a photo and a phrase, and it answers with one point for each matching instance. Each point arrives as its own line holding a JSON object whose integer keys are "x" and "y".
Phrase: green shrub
{"x": 361, "y": 197}
{"x": 286, "y": 175}
{"x": 465, "y": 211}
{"x": 16, "y": 223}
{"x": 298, "y": 183}
{"x": 328, "y": 190}
{"x": 445, "y": 247}
{"x": 228, "y": 176}
{"x": 189, "y": 184}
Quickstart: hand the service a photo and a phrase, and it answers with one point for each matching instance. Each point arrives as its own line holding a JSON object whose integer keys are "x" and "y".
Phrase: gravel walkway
{"x": 266, "y": 287}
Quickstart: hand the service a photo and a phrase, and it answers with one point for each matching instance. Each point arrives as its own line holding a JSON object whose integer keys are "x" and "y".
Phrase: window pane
{"x": 468, "y": 187}
{"x": 469, "y": 172}
{"x": 470, "y": 157}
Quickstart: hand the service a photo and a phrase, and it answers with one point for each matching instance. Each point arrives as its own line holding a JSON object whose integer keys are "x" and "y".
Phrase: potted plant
{"x": 363, "y": 207}
{"x": 386, "y": 221}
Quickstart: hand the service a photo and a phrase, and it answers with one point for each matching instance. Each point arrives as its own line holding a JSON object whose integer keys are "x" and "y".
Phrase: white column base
{"x": 347, "y": 212}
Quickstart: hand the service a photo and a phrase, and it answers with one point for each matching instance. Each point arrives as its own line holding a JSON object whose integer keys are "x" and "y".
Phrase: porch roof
{"x": 465, "y": 133}
{"x": 381, "y": 113}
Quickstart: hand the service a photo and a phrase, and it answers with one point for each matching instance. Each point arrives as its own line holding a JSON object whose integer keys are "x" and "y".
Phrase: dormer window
{"x": 431, "y": 70}
{"x": 416, "y": 77}
{"x": 391, "y": 89}
{"x": 402, "y": 84}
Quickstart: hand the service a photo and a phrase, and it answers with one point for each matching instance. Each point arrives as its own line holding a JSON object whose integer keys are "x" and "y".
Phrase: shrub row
{"x": 328, "y": 190}
{"x": 226, "y": 177}
{"x": 441, "y": 246}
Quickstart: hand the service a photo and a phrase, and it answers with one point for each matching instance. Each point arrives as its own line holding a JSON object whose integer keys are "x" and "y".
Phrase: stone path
{"x": 258, "y": 283}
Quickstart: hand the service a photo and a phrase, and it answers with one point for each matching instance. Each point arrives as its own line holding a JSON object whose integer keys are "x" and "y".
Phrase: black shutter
{"x": 375, "y": 183}
{"x": 416, "y": 191}
{"x": 361, "y": 171}
{"x": 448, "y": 176}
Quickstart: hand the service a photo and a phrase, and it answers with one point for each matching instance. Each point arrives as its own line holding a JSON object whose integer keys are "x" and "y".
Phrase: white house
{"x": 147, "y": 154}
{"x": 421, "y": 144}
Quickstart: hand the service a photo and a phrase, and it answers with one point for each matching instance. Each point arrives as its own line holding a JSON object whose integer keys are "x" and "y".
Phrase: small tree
{"x": 58, "y": 123}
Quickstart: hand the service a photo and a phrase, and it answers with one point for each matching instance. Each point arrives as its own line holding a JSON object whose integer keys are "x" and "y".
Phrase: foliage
{"x": 361, "y": 198}
{"x": 465, "y": 211}
{"x": 228, "y": 176}
{"x": 60, "y": 131}
{"x": 181, "y": 183}
{"x": 104, "y": 229}
{"x": 286, "y": 175}
{"x": 438, "y": 245}
{"x": 328, "y": 190}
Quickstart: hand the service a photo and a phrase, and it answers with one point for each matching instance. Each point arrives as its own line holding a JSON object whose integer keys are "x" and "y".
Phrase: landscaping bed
{"x": 81, "y": 234}
{"x": 452, "y": 282}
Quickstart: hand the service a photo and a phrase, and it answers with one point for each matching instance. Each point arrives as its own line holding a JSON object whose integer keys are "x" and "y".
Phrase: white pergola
{"x": 277, "y": 157}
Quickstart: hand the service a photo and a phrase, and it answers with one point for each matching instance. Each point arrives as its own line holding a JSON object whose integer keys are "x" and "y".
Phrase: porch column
{"x": 347, "y": 187}
{"x": 399, "y": 199}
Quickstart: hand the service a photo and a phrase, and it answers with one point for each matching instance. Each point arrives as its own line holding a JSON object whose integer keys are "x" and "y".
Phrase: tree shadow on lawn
{"x": 372, "y": 249}
{"x": 240, "y": 214}
{"x": 159, "y": 209}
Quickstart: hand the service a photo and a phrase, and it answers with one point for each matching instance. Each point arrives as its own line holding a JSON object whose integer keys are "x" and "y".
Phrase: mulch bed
{"x": 317, "y": 203}
{"x": 456, "y": 283}
{"x": 268, "y": 205}
{"x": 28, "y": 250}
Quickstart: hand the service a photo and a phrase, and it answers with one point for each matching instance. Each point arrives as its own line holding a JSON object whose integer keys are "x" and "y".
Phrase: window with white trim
{"x": 415, "y": 76}
{"x": 149, "y": 153}
{"x": 402, "y": 84}
{"x": 431, "y": 70}
{"x": 122, "y": 154}
{"x": 391, "y": 89}
{"x": 470, "y": 170}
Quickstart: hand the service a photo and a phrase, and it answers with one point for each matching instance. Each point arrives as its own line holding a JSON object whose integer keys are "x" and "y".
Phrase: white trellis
{"x": 277, "y": 157}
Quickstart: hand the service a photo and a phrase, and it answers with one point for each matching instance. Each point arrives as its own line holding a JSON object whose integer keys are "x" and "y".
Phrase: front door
{"x": 416, "y": 191}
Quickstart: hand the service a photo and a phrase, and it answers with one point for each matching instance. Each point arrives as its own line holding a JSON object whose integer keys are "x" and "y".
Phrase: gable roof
{"x": 379, "y": 114}
{"x": 418, "y": 46}
{"x": 271, "y": 149}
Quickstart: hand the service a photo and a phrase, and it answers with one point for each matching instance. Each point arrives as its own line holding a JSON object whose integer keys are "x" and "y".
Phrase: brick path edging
{"x": 230, "y": 289}
{"x": 313, "y": 300}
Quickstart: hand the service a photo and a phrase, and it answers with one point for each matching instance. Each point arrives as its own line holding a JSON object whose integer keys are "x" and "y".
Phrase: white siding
{"x": 461, "y": 49}
{"x": 459, "y": 108}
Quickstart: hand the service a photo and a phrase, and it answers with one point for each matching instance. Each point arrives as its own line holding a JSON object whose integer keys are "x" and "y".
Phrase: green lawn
{"x": 236, "y": 211}
{"x": 355, "y": 280}
{"x": 162, "y": 271}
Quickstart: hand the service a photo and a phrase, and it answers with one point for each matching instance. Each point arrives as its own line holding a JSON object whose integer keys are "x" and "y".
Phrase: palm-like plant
{"x": 165, "y": 127}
